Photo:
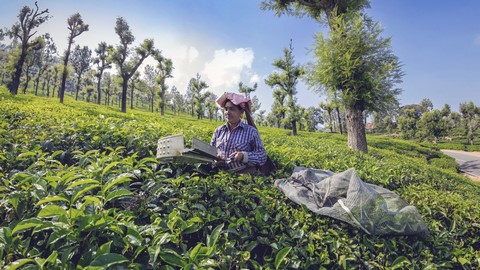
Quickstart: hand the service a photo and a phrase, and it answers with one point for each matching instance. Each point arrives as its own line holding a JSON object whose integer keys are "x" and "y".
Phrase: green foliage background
{"x": 81, "y": 189}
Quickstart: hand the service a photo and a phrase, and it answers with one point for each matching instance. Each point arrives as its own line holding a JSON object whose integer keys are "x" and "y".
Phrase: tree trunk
{"x": 131, "y": 94}
{"x": 124, "y": 94}
{"x": 99, "y": 84}
{"x": 78, "y": 86}
{"x": 61, "y": 91}
{"x": 357, "y": 140}
{"x": 294, "y": 128}
{"x": 162, "y": 105}
{"x": 27, "y": 81}
{"x": 37, "y": 83}
{"x": 339, "y": 120}
{"x": 13, "y": 86}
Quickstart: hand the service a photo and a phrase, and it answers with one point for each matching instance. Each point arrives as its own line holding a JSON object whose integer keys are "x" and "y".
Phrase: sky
{"x": 227, "y": 42}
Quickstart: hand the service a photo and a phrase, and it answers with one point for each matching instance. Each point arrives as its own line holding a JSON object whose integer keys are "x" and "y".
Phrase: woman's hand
{"x": 237, "y": 156}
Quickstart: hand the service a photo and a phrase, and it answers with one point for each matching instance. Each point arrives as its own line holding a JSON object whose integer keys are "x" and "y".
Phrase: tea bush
{"x": 81, "y": 189}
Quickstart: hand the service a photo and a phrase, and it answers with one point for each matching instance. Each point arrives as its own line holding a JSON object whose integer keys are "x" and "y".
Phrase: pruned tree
{"x": 255, "y": 104}
{"x": 76, "y": 26}
{"x": 31, "y": 61}
{"x": 165, "y": 69}
{"x": 121, "y": 55}
{"x": 312, "y": 117}
{"x": 278, "y": 107}
{"x": 103, "y": 63}
{"x": 433, "y": 124}
{"x": 81, "y": 59}
{"x": 286, "y": 80}
{"x": 133, "y": 80}
{"x": 356, "y": 62}
{"x": 471, "y": 118}
{"x": 107, "y": 87}
{"x": 151, "y": 74}
{"x": 23, "y": 30}
{"x": 245, "y": 89}
{"x": 46, "y": 59}
{"x": 195, "y": 87}
{"x": 211, "y": 105}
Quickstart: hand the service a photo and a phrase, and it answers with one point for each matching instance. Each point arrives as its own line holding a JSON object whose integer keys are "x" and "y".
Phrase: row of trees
{"x": 422, "y": 122}
{"x": 353, "y": 68}
{"x": 79, "y": 69}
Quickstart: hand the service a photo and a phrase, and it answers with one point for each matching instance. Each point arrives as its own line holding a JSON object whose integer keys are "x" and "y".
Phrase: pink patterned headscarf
{"x": 236, "y": 99}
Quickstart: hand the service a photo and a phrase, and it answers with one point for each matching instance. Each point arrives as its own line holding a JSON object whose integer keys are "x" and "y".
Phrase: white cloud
{"x": 192, "y": 54}
{"x": 255, "y": 78}
{"x": 227, "y": 66}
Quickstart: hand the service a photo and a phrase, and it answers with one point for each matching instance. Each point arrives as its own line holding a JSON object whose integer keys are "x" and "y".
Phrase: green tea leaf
{"x": 133, "y": 237}
{"x": 173, "y": 258}
{"x": 117, "y": 194}
{"x": 52, "y": 199}
{"x": 82, "y": 191}
{"x": 82, "y": 182}
{"x": 19, "y": 263}
{"x": 109, "y": 166}
{"x": 105, "y": 248}
{"x": 108, "y": 259}
{"x": 51, "y": 211}
{"x": 26, "y": 225}
{"x": 400, "y": 262}
{"x": 281, "y": 256}
{"x": 122, "y": 178}
{"x": 212, "y": 238}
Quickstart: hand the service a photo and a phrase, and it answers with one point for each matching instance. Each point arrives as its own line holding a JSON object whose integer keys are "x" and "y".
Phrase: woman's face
{"x": 232, "y": 113}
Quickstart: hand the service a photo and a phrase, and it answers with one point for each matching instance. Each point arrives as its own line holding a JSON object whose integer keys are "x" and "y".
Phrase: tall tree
{"x": 29, "y": 19}
{"x": 76, "y": 26}
{"x": 175, "y": 96}
{"x": 81, "y": 59}
{"x": 196, "y": 86}
{"x": 471, "y": 117}
{"x": 313, "y": 118}
{"x": 316, "y": 9}
{"x": 32, "y": 59}
{"x": 165, "y": 68}
{"x": 46, "y": 59}
{"x": 359, "y": 64}
{"x": 103, "y": 62}
{"x": 278, "y": 107}
{"x": 107, "y": 87}
{"x": 133, "y": 80}
{"x": 247, "y": 89}
{"x": 121, "y": 56}
{"x": 434, "y": 124}
{"x": 151, "y": 74}
{"x": 408, "y": 122}
{"x": 286, "y": 81}
{"x": 211, "y": 105}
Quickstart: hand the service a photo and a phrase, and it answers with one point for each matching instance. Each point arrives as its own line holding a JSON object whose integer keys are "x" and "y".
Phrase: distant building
{"x": 369, "y": 127}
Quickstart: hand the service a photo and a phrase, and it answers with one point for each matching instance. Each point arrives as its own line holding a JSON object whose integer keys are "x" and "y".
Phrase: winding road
{"x": 469, "y": 162}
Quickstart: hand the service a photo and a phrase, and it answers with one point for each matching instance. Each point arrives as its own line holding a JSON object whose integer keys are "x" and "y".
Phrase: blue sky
{"x": 438, "y": 42}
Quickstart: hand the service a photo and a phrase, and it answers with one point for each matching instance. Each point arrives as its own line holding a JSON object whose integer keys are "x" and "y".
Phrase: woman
{"x": 240, "y": 148}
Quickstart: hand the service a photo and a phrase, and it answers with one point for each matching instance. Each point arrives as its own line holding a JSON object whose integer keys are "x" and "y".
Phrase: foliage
{"x": 358, "y": 64}
{"x": 29, "y": 19}
{"x": 121, "y": 55}
{"x": 80, "y": 188}
{"x": 76, "y": 27}
{"x": 285, "y": 82}
{"x": 471, "y": 115}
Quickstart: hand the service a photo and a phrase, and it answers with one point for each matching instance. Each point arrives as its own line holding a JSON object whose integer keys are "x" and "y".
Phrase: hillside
{"x": 81, "y": 189}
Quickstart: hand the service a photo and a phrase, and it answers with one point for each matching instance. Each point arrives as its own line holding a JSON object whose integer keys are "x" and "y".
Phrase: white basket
{"x": 170, "y": 146}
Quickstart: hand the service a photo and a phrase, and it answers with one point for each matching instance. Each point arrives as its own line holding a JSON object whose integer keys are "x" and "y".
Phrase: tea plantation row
{"x": 81, "y": 189}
